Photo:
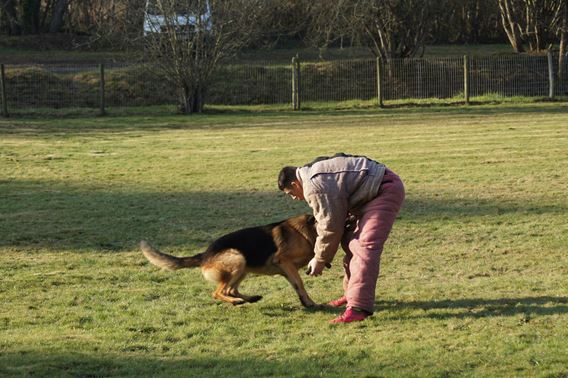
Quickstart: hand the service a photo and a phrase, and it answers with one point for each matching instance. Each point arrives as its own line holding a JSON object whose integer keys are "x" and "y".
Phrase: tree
{"x": 389, "y": 28}
{"x": 8, "y": 8}
{"x": 467, "y": 21}
{"x": 30, "y": 16}
{"x": 282, "y": 21}
{"x": 109, "y": 23}
{"x": 530, "y": 22}
{"x": 328, "y": 22}
{"x": 560, "y": 25}
{"x": 395, "y": 28}
{"x": 186, "y": 40}
{"x": 33, "y": 16}
{"x": 57, "y": 19}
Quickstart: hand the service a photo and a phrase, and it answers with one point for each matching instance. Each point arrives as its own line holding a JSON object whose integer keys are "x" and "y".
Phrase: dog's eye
{"x": 311, "y": 219}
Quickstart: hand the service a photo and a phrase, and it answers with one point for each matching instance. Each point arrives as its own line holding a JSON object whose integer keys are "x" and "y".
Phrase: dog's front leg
{"x": 293, "y": 277}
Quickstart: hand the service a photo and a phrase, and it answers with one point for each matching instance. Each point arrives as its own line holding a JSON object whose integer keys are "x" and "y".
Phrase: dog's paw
{"x": 309, "y": 304}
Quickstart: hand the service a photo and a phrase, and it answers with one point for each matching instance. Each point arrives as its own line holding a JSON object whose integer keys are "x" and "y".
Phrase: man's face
{"x": 295, "y": 191}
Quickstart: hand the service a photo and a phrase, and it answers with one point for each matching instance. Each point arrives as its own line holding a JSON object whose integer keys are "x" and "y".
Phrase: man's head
{"x": 288, "y": 182}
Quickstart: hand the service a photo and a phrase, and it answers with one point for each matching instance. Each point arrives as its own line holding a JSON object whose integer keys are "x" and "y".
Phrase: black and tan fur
{"x": 279, "y": 248}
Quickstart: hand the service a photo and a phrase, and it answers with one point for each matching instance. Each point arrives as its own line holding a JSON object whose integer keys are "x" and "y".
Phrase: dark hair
{"x": 286, "y": 176}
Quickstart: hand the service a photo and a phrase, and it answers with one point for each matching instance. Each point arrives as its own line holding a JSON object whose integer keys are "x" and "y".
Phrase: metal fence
{"x": 35, "y": 87}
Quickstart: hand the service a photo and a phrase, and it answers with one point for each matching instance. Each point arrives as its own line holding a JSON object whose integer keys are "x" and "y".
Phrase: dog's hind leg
{"x": 222, "y": 293}
{"x": 227, "y": 269}
{"x": 292, "y": 275}
{"x": 234, "y": 291}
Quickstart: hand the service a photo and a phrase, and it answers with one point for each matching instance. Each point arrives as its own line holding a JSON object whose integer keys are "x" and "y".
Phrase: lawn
{"x": 49, "y": 53}
{"x": 474, "y": 279}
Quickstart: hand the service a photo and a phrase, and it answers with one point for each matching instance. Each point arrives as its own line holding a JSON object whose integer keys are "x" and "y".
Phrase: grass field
{"x": 47, "y": 53}
{"x": 474, "y": 278}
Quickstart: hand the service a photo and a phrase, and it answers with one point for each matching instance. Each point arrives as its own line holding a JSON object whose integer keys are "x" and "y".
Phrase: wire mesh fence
{"x": 251, "y": 84}
{"x": 510, "y": 76}
{"x": 52, "y": 86}
{"x": 338, "y": 80}
{"x": 423, "y": 78}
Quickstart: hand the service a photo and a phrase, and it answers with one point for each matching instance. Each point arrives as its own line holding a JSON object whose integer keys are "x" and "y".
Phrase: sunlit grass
{"x": 474, "y": 276}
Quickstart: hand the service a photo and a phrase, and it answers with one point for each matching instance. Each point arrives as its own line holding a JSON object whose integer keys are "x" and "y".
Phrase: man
{"x": 336, "y": 188}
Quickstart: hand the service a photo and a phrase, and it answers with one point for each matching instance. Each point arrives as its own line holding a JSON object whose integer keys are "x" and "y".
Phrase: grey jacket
{"x": 334, "y": 187}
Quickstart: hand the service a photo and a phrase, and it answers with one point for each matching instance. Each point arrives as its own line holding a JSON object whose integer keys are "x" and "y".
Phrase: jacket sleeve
{"x": 330, "y": 212}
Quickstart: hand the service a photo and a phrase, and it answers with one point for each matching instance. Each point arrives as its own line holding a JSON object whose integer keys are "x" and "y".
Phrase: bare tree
{"x": 467, "y": 21}
{"x": 187, "y": 40}
{"x": 114, "y": 23}
{"x": 394, "y": 28}
{"x": 57, "y": 17}
{"x": 8, "y": 8}
{"x": 30, "y": 16}
{"x": 529, "y": 22}
{"x": 389, "y": 28}
{"x": 560, "y": 25}
{"x": 328, "y": 23}
{"x": 511, "y": 25}
{"x": 282, "y": 20}
{"x": 34, "y": 16}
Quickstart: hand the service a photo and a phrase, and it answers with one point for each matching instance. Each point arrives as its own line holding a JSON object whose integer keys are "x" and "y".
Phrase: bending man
{"x": 336, "y": 188}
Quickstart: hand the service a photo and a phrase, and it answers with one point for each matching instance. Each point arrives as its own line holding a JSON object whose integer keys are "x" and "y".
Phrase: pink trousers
{"x": 364, "y": 245}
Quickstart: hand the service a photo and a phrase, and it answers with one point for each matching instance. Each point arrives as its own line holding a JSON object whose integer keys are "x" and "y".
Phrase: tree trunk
{"x": 9, "y": 7}
{"x": 192, "y": 100}
{"x": 563, "y": 41}
{"x": 31, "y": 10}
{"x": 510, "y": 26}
{"x": 186, "y": 100}
{"x": 562, "y": 52}
{"x": 57, "y": 19}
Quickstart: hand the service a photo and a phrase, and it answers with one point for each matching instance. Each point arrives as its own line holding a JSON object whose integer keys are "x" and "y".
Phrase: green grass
{"x": 12, "y": 53}
{"x": 474, "y": 278}
{"x": 17, "y": 55}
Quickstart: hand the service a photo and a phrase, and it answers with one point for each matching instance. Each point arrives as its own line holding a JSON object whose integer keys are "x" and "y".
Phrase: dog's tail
{"x": 166, "y": 261}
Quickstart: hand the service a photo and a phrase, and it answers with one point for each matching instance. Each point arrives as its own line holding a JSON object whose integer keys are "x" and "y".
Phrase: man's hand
{"x": 315, "y": 267}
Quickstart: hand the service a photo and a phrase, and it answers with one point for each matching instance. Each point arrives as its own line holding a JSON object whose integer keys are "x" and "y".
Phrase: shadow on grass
{"x": 55, "y": 216}
{"x": 152, "y": 360}
{"x": 43, "y": 214}
{"x": 37, "y": 364}
{"x": 449, "y": 308}
{"x": 477, "y": 307}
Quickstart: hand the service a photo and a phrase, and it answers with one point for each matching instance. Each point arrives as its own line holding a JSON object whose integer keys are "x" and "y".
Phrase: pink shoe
{"x": 338, "y": 302}
{"x": 349, "y": 316}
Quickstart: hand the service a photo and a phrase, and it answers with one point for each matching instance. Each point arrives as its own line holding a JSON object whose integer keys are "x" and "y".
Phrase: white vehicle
{"x": 182, "y": 21}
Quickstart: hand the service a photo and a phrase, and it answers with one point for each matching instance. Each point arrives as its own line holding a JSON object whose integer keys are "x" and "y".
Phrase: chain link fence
{"x": 38, "y": 87}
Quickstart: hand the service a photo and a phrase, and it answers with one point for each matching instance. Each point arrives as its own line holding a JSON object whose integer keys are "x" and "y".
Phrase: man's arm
{"x": 330, "y": 212}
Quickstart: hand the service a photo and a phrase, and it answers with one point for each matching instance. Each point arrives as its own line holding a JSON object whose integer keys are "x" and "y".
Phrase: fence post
{"x": 380, "y": 82}
{"x": 550, "y": 75}
{"x": 294, "y": 86}
{"x": 3, "y": 91}
{"x": 296, "y": 83}
{"x": 299, "y": 83}
{"x": 466, "y": 79}
{"x": 102, "y": 111}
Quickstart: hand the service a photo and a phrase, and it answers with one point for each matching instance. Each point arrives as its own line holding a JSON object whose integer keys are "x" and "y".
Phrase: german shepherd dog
{"x": 278, "y": 248}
